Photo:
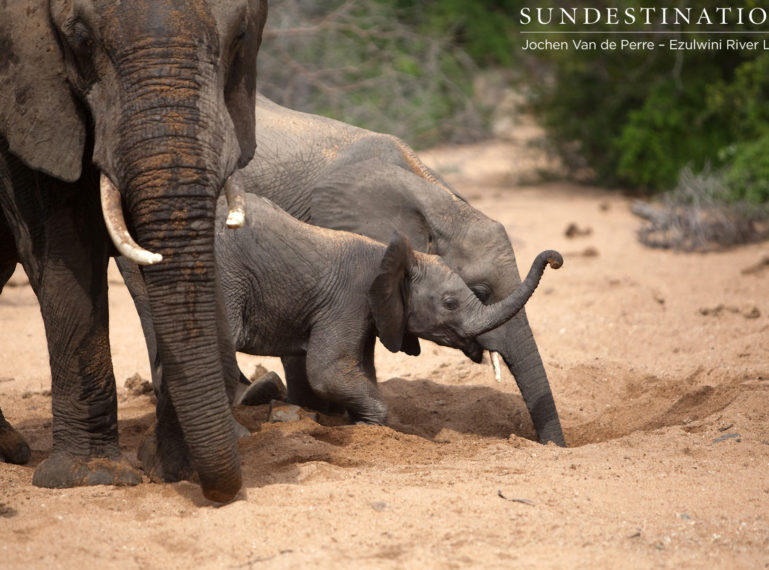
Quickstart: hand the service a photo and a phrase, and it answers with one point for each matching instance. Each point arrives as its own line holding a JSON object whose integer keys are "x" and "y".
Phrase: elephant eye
{"x": 80, "y": 37}
{"x": 482, "y": 292}
{"x": 450, "y": 303}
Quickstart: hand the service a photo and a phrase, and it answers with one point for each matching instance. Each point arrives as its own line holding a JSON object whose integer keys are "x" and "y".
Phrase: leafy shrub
{"x": 670, "y": 130}
{"x": 636, "y": 118}
{"x": 747, "y": 175}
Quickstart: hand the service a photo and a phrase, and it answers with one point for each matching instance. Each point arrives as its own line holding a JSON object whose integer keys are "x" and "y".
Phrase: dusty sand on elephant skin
{"x": 666, "y": 411}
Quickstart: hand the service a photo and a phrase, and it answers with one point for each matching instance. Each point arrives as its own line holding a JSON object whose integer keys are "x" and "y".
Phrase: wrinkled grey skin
{"x": 159, "y": 97}
{"x": 292, "y": 289}
{"x": 337, "y": 176}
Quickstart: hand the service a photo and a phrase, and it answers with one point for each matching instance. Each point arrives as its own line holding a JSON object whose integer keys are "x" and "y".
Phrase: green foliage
{"x": 636, "y": 118}
{"x": 670, "y": 130}
{"x": 483, "y": 28}
{"x": 369, "y": 64}
{"x": 747, "y": 175}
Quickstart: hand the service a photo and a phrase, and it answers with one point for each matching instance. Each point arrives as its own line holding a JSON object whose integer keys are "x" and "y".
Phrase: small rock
{"x": 759, "y": 267}
{"x": 378, "y": 506}
{"x": 281, "y": 412}
{"x": 705, "y": 311}
{"x": 589, "y": 251}
{"x": 138, "y": 386}
{"x": 751, "y": 312}
{"x": 573, "y": 230}
{"x": 727, "y": 436}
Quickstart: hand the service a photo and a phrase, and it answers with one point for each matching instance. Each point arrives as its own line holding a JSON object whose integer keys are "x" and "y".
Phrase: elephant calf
{"x": 295, "y": 289}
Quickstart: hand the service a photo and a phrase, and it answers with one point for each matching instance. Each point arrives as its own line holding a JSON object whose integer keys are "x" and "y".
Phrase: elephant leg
{"x": 64, "y": 250}
{"x": 298, "y": 386}
{"x": 5, "y": 274}
{"x": 163, "y": 453}
{"x": 338, "y": 377}
{"x": 134, "y": 282}
{"x": 13, "y": 448}
{"x": 233, "y": 377}
{"x": 300, "y": 393}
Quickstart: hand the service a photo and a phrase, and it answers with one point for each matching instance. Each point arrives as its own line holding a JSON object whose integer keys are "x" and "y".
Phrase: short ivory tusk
{"x": 236, "y": 202}
{"x": 495, "y": 366}
{"x": 113, "y": 218}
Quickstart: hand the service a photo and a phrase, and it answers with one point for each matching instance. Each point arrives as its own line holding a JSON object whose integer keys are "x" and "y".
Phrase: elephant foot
{"x": 368, "y": 421}
{"x": 164, "y": 461}
{"x": 13, "y": 448}
{"x": 61, "y": 470}
{"x": 263, "y": 391}
{"x": 372, "y": 412}
{"x": 313, "y": 402}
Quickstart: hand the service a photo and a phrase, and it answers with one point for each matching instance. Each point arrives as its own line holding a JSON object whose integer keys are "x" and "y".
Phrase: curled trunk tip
{"x": 553, "y": 258}
{"x": 491, "y": 316}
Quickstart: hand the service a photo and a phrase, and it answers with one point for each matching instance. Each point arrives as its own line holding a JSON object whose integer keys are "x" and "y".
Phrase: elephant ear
{"x": 372, "y": 197}
{"x": 388, "y": 296}
{"x": 411, "y": 345}
{"x": 39, "y": 116}
{"x": 240, "y": 91}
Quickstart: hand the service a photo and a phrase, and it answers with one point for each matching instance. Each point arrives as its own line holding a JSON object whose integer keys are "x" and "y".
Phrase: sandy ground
{"x": 659, "y": 363}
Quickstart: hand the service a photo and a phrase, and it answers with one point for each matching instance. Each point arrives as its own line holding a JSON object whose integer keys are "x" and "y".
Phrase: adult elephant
{"x": 338, "y": 176}
{"x": 149, "y": 103}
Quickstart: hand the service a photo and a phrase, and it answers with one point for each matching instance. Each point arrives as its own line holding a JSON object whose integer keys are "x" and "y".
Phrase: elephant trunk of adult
{"x": 514, "y": 341}
{"x": 179, "y": 224}
{"x": 171, "y": 166}
{"x": 489, "y": 317}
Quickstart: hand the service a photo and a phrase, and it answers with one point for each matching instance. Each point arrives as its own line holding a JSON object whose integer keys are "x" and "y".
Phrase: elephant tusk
{"x": 495, "y": 366}
{"x": 236, "y": 202}
{"x": 113, "y": 218}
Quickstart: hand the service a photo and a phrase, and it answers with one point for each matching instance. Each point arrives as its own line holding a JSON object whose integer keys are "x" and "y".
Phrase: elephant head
{"x": 159, "y": 95}
{"x": 417, "y": 295}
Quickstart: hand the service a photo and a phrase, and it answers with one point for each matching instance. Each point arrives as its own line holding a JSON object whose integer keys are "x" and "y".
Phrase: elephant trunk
{"x": 515, "y": 342}
{"x": 489, "y": 317}
{"x": 182, "y": 296}
{"x": 170, "y": 165}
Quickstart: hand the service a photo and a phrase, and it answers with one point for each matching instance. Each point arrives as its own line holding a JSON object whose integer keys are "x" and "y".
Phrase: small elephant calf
{"x": 295, "y": 289}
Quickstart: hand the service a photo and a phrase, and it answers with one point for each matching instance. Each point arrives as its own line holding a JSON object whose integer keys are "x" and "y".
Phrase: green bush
{"x": 747, "y": 175}
{"x": 671, "y": 130}
{"x": 637, "y": 118}
{"x": 483, "y": 28}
